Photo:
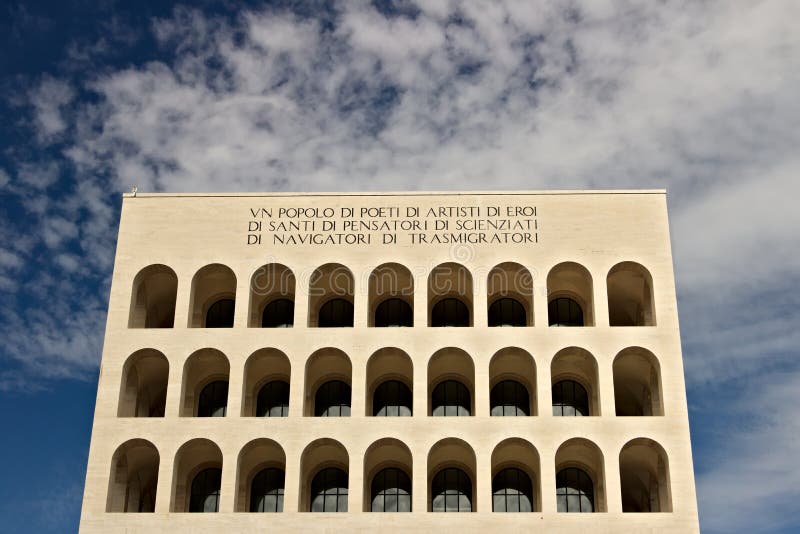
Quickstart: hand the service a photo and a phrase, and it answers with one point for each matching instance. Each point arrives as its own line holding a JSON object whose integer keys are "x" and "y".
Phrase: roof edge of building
{"x": 406, "y": 193}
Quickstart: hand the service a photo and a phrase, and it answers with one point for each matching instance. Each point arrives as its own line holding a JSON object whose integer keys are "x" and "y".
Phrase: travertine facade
{"x": 186, "y": 262}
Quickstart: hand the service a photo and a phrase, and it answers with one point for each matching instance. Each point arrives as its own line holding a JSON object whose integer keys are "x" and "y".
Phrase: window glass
{"x": 450, "y": 398}
{"x": 509, "y": 398}
{"x": 213, "y": 401}
{"x": 329, "y": 491}
{"x": 204, "y": 496}
{"x": 507, "y": 312}
{"x": 512, "y": 491}
{"x": 570, "y": 399}
{"x": 273, "y": 400}
{"x": 451, "y": 491}
{"x": 574, "y": 491}
{"x": 391, "y": 491}
{"x": 564, "y": 312}
{"x": 392, "y": 399}
{"x": 266, "y": 491}
{"x": 332, "y": 400}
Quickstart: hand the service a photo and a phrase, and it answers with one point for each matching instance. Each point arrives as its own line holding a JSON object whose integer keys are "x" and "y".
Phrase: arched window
{"x": 332, "y": 400}
{"x": 510, "y": 398}
{"x": 565, "y": 312}
{"x": 266, "y": 490}
{"x": 512, "y": 491}
{"x": 574, "y": 491}
{"x": 451, "y": 398}
{"x": 278, "y": 314}
{"x": 394, "y": 312}
{"x": 391, "y": 491}
{"x": 205, "y": 491}
{"x": 450, "y": 312}
{"x": 273, "y": 399}
{"x": 329, "y": 491}
{"x": 570, "y": 398}
{"x": 220, "y": 314}
{"x": 451, "y": 491}
{"x": 507, "y": 312}
{"x": 336, "y": 313}
{"x": 392, "y": 399}
{"x": 213, "y": 401}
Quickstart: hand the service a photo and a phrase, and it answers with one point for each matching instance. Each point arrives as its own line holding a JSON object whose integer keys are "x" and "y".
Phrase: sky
{"x": 698, "y": 97}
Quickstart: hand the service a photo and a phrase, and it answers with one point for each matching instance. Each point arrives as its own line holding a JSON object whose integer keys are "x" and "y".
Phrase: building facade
{"x": 465, "y": 361}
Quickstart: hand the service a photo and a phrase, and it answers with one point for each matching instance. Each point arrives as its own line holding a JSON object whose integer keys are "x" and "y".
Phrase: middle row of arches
{"x": 575, "y": 388}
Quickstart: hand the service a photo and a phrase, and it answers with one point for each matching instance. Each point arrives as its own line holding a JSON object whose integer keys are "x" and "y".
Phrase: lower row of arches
{"x": 450, "y": 486}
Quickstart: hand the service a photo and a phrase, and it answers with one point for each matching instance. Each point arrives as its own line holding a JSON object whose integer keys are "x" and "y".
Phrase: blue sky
{"x": 698, "y": 97}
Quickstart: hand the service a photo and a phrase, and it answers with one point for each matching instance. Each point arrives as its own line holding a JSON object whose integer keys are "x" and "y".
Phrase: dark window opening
{"x": 213, "y": 401}
{"x": 332, "y": 400}
{"x": 278, "y": 314}
{"x": 574, "y": 491}
{"x": 205, "y": 491}
{"x": 565, "y": 312}
{"x": 392, "y": 399}
{"x": 570, "y": 399}
{"x": 391, "y": 491}
{"x": 450, "y": 312}
{"x": 507, "y": 312}
{"x": 451, "y": 491}
{"x": 509, "y": 398}
{"x": 266, "y": 491}
{"x": 512, "y": 491}
{"x": 394, "y": 312}
{"x": 329, "y": 491}
{"x": 273, "y": 400}
{"x": 220, "y": 314}
{"x": 336, "y": 313}
{"x": 451, "y": 398}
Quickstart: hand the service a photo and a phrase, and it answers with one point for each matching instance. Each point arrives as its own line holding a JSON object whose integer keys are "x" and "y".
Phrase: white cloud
{"x": 49, "y": 100}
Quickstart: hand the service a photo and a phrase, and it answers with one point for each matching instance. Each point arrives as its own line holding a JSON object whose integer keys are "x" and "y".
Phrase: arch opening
{"x": 512, "y": 379}
{"x": 637, "y": 383}
{"x": 134, "y": 478}
{"x": 213, "y": 297}
{"x": 197, "y": 477}
{"x": 391, "y": 296}
{"x": 451, "y": 477}
{"x": 387, "y": 477}
{"x": 570, "y": 295}
{"x": 390, "y": 381}
{"x": 324, "y": 467}
{"x": 644, "y": 477}
{"x": 267, "y": 374}
{"x": 630, "y": 295}
{"x": 580, "y": 481}
{"x": 575, "y": 390}
{"x": 261, "y": 477}
{"x": 155, "y": 289}
{"x": 515, "y": 477}
{"x": 450, "y": 296}
{"x": 272, "y": 294}
{"x": 205, "y": 384}
{"x": 143, "y": 392}
{"x": 510, "y": 295}
{"x": 451, "y": 383}
{"x": 328, "y": 382}
{"x": 330, "y": 297}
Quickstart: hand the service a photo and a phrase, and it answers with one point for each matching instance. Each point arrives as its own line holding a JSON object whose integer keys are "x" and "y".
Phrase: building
{"x": 421, "y": 352}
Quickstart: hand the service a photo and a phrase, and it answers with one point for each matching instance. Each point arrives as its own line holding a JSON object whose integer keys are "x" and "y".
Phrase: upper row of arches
{"x": 391, "y": 296}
